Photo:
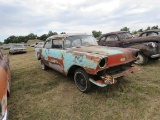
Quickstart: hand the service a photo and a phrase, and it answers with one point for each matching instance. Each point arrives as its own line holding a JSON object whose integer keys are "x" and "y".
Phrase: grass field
{"x": 48, "y": 95}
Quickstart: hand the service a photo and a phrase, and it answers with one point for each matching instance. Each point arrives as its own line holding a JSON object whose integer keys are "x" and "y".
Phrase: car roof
{"x": 62, "y": 36}
{"x": 117, "y": 32}
{"x": 157, "y": 30}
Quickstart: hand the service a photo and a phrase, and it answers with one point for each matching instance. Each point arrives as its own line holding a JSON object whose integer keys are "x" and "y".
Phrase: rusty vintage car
{"x": 79, "y": 55}
{"x": 5, "y": 80}
{"x": 149, "y": 46}
{"x": 148, "y": 33}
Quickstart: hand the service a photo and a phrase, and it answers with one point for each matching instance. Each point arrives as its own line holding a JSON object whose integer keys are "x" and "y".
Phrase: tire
{"x": 141, "y": 59}
{"x": 8, "y": 89}
{"x": 38, "y": 56}
{"x": 82, "y": 82}
{"x": 43, "y": 66}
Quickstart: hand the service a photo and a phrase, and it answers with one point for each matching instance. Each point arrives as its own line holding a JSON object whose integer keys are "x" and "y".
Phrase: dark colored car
{"x": 80, "y": 55}
{"x": 150, "y": 33}
{"x": 5, "y": 80}
{"x": 149, "y": 46}
{"x": 18, "y": 48}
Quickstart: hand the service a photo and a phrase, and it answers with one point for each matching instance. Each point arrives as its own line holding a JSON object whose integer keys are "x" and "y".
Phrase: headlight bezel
{"x": 103, "y": 62}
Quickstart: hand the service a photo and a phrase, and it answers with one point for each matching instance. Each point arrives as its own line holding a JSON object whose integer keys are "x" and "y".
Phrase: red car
{"x": 5, "y": 80}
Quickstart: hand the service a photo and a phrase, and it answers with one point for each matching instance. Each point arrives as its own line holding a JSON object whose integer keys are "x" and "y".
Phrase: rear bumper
{"x": 5, "y": 116}
{"x": 105, "y": 81}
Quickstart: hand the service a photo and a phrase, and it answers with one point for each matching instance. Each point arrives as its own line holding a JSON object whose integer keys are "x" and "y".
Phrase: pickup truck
{"x": 5, "y": 80}
{"x": 79, "y": 55}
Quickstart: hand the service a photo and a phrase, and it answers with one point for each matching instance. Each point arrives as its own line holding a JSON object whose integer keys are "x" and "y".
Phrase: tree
{"x": 125, "y": 29}
{"x": 148, "y": 28}
{"x": 96, "y": 34}
{"x": 154, "y": 27}
{"x": 134, "y": 32}
{"x": 63, "y": 33}
{"x": 43, "y": 37}
{"x": 140, "y": 30}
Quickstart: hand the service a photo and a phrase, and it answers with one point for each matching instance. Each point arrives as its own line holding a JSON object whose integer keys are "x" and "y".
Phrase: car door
{"x": 109, "y": 40}
{"x": 46, "y": 51}
{"x": 55, "y": 56}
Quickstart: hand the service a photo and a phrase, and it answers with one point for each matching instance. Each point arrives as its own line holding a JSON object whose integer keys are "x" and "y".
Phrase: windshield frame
{"x": 79, "y": 41}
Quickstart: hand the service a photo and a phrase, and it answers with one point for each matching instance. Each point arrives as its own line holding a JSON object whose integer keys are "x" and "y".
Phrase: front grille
{"x": 115, "y": 69}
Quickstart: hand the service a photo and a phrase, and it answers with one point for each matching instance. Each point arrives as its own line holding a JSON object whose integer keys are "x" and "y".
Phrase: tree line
{"x": 96, "y": 34}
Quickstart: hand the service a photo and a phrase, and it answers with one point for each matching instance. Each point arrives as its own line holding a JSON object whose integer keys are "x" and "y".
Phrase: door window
{"x": 144, "y": 35}
{"x": 112, "y": 38}
{"x": 103, "y": 39}
{"x": 48, "y": 44}
{"x": 152, "y": 34}
{"x": 57, "y": 44}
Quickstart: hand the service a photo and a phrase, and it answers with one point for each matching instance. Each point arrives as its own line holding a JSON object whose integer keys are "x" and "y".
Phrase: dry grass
{"x": 48, "y": 95}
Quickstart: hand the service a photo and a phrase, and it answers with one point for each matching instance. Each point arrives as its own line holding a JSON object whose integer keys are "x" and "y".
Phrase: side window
{"x": 48, "y": 44}
{"x": 152, "y": 34}
{"x": 103, "y": 39}
{"x": 57, "y": 44}
{"x": 144, "y": 35}
{"x": 112, "y": 38}
{"x": 76, "y": 43}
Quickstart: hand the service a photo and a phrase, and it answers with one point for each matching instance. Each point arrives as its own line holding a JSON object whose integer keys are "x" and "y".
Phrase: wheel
{"x": 141, "y": 59}
{"x": 82, "y": 82}
{"x": 8, "y": 88}
{"x": 38, "y": 56}
{"x": 43, "y": 66}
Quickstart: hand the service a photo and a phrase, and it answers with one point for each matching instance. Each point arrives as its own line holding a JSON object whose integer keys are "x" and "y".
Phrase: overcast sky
{"x": 22, "y": 17}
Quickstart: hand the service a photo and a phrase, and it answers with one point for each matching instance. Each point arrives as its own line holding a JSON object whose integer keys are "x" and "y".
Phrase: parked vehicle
{"x": 39, "y": 45}
{"x": 6, "y": 46}
{"x": 17, "y": 48}
{"x": 79, "y": 55}
{"x": 5, "y": 80}
{"x": 149, "y": 46}
{"x": 33, "y": 44}
{"x": 150, "y": 33}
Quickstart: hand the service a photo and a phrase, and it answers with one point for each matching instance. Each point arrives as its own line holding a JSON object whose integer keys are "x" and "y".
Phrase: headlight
{"x": 153, "y": 44}
{"x": 103, "y": 62}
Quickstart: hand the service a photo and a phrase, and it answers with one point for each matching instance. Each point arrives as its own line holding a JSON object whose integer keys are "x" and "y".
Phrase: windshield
{"x": 17, "y": 46}
{"x": 79, "y": 40}
{"x": 125, "y": 35}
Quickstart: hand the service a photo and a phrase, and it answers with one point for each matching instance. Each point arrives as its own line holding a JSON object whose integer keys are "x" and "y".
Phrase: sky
{"x": 22, "y": 17}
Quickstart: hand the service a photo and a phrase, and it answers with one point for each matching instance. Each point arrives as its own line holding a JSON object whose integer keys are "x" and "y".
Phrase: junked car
{"x": 148, "y": 33}
{"x": 17, "y": 48}
{"x": 79, "y": 55}
{"x": 5, "y": 80}
{"x": 149, "y": 46}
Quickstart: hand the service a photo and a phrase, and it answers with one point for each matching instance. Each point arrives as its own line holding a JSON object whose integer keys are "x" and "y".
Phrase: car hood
{"x": 143, "y": 39}
{"x": 115, "y": 55}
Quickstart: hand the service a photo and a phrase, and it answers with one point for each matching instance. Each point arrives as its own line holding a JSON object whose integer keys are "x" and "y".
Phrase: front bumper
{"x": 108, "y": 79}
{"x": 5, "y": 116}
{"x": 17, "y": 52}
{"x": 155, "y": 56}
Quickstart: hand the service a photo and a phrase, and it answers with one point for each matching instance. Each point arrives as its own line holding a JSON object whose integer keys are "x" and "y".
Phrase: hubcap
{"x": 80, "y": 81}
{"x": 140, "y": 59}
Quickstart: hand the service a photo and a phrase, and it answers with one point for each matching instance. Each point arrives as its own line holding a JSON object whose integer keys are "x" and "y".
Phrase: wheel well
{"x": 73, "y": 69}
